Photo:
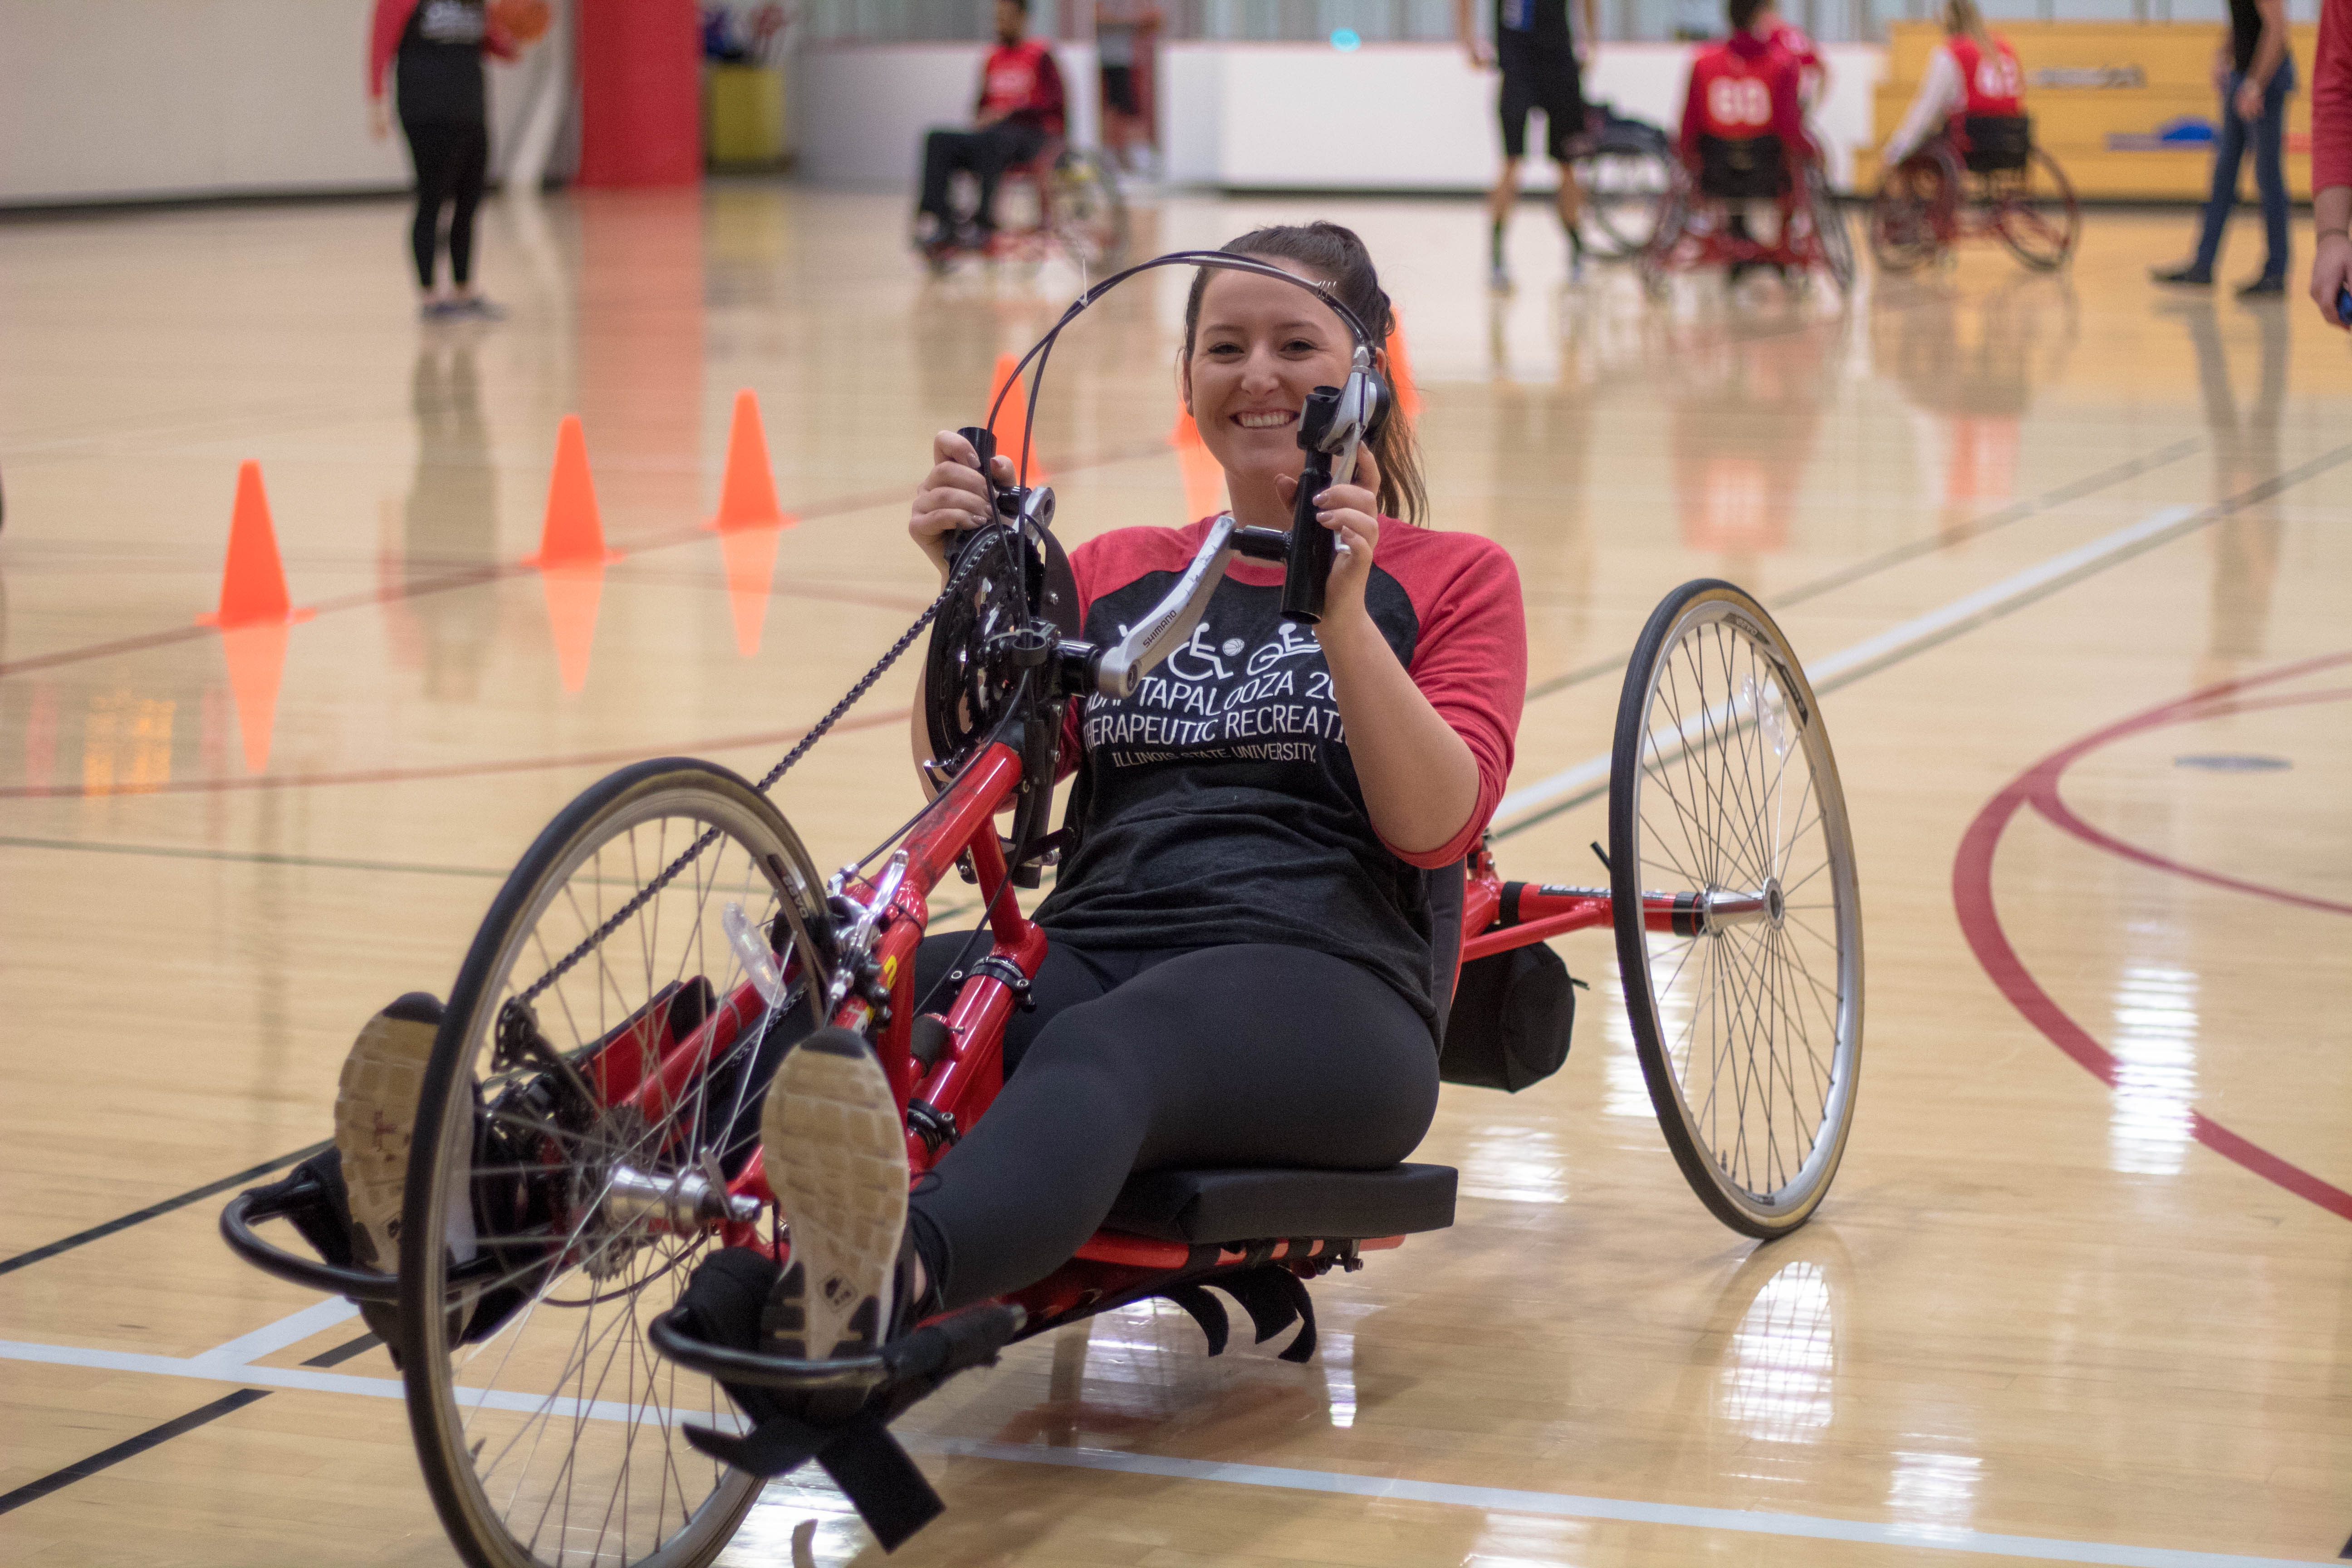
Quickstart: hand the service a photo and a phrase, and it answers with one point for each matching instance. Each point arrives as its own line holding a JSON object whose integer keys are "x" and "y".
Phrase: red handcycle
{"x": 1993, "y": 182}
{"x": 1704, "y": 220}
{"x": 585, "y": 1150}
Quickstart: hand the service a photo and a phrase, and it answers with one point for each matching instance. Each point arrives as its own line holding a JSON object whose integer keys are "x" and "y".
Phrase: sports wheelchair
{"x": 2002, "y": 186}
{"x": 586, "y": 1219}
{"x": 1625, "y": 167}
{"x": 1064, "y": 200}
{"x": 1700, "y": 225}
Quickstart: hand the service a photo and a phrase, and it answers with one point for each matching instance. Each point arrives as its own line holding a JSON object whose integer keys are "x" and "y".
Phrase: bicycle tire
{"x": 458, "y": 1413}
{"x": 1086, "y": 213}
{"x": 1625, "y": 184}
{"x": 1712, "y": 688}
{"x": 2040, "y": 229}
{"x": 1910, "y": 215}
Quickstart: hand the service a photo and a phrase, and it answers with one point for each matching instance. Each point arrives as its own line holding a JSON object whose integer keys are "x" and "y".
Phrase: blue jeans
{"x": 2228, "y": 148}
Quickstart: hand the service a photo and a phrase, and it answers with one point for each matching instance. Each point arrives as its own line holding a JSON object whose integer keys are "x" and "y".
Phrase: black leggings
{"x": 452, "y": 158}
{"x": 986, "y": 152}
{"x": 1241, "y": 1056}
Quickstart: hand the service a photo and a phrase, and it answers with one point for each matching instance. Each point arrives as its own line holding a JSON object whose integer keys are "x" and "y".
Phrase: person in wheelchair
{"x": 1743, "y": 129}
{"x": 1973, "y": 95}
{"x": 1249, "y": 955}
{"x": 1020, "y": 114}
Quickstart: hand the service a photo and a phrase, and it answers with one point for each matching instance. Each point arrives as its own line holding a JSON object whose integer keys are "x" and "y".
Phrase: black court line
{"x": 2205, "y": 518}
{"x": 82, "y": 1469}
{"x": 342, "y": 1352}
{"x": 83, "y": 1238}
{"x": 247, "y": 856}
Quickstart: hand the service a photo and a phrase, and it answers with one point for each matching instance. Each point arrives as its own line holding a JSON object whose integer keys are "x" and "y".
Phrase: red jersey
{"x": 1021, "y": 82}
{"x": 1795, "y": 43}
{"x": 1742, "y": 87}
{"x": 1995, "y": 85}
{"x": 1219, "y": 802}
{"x": 2331, "y": 98}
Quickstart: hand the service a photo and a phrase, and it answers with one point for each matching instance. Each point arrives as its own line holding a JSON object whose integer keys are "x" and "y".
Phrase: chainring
{"x": 1007, "y": 576}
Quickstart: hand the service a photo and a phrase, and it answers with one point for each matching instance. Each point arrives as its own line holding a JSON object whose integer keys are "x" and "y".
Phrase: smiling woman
{"x": 1251, "y": 932}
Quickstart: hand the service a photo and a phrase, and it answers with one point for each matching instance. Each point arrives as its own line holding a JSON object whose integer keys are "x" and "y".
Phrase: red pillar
{"x": 640, "y": 93}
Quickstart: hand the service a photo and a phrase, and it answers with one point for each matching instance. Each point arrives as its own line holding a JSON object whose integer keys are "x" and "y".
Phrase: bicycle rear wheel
{"x": 1624, "y": 186}
{"x": 569, "y": 1162}
{"x": 1911, "y": 214}
{"x": 1086, "y": 214}
{"x": 2035, "y": 212}
{"x": 1738, "y": 919}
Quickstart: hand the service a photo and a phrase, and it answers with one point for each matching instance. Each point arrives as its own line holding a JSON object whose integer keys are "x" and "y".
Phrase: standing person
{"x": 2331, "y": 158}
{"x": 2254, "y": 73}
{"x": 445, "y": 113}
{"x": 1020, "y": 111}
{"x": 1121, "y": 27}
{"x": 1542, "y": 66}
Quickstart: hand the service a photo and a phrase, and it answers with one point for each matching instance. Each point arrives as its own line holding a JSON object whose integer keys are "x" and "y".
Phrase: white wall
{"x": 122, "y": 99}
{"x": 859, "y": 110}
{"x": 1415, "y": 116}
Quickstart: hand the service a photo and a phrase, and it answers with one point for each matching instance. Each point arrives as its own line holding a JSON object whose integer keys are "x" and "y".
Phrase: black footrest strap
{"x": 851, "y": 1439}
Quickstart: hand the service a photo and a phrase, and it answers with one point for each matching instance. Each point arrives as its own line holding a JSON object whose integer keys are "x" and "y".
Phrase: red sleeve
{"x": 1789, "y": 107}
{"x": 1470, "y": 660}
{"x": 1047, "y": 96}
{"x": 1692, "y": 99}
{"x": 384, "y": 39}
{"x": 2331, "y": 98}
{"x": 497, "y": 40}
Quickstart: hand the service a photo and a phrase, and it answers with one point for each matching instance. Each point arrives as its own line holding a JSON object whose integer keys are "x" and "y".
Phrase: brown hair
{"x": 1335, "y": 258}
{"x": 1962, "y": 16}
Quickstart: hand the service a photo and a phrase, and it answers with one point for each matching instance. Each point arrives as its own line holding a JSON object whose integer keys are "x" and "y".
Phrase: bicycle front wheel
{"x": 1738, "y": 919}
{"x": 2035, "y": 212}
{"x": 594, "y": 1085}
{"x": 1086, "y": 213}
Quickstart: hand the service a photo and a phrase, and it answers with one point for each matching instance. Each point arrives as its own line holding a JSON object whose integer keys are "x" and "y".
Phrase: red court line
{"x": 2053, "y": 805}
{"x": 1972, "y": 898}
{"x": 448, "y": 769}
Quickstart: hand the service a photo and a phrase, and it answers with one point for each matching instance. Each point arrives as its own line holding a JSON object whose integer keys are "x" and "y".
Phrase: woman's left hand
{"x": 1352, "y": 512}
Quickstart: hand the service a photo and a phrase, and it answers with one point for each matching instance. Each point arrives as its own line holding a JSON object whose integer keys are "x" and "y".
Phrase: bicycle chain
{"x": 816, "y": 733}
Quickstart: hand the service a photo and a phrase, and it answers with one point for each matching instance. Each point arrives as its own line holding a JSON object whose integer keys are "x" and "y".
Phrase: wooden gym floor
{"x": 2082, "y": 1292}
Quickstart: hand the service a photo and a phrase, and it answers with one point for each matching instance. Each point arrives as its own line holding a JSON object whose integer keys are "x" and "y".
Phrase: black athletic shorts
{"x": 1548, "y": 80}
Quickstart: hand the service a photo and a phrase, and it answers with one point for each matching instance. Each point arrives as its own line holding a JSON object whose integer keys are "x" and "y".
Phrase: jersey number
{"x": 1997, "y": 78}
{"x": 1733, "y": 101}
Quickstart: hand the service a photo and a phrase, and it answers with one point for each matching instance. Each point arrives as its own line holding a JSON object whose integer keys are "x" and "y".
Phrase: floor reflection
{"x": 2245, "y": 435}
{"x": 2155, "y": 1040}
{"x": 1969, "y": 367}
{"x": 450, "y": 520}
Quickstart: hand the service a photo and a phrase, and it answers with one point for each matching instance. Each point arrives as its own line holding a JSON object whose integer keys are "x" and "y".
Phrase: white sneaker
{"x": 375, "y": 1121}
{"x": 835, "y": 1148}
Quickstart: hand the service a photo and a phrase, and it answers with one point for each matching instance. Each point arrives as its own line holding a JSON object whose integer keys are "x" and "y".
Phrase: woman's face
{"x": 1261, "y": 347}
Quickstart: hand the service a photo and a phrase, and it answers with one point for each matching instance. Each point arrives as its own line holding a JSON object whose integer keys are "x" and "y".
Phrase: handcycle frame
{"x": 1972, "y": 204}
{"x": 1677, "y": 247}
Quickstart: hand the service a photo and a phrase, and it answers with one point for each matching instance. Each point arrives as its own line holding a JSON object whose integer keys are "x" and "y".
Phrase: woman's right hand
{"x": 952, "y": 498}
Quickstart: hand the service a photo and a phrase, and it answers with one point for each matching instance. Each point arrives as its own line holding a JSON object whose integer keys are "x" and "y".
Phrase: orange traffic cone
{"x": 573, "y": 534}
{"x": 253, "y": 582}
{"x": 747, "y": 494}
{"x": 1011, "y": 424}
{"x": 1204, "y": 479}
{"x": 1408, "y": 397}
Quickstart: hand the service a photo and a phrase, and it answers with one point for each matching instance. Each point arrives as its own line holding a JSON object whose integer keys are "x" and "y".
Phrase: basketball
{"x": 524, "y": 21}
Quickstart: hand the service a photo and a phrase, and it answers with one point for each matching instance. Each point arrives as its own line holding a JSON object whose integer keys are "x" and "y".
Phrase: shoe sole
{"x": 834, "y": 1148}
{"x": 375, "y": 1122}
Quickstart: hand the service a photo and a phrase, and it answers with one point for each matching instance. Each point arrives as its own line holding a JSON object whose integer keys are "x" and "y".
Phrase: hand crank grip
{"x": 1312, "y": 545}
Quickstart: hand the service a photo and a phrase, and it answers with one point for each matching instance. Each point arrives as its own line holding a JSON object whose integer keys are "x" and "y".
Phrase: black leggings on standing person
{"x": 452, "y": 159}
